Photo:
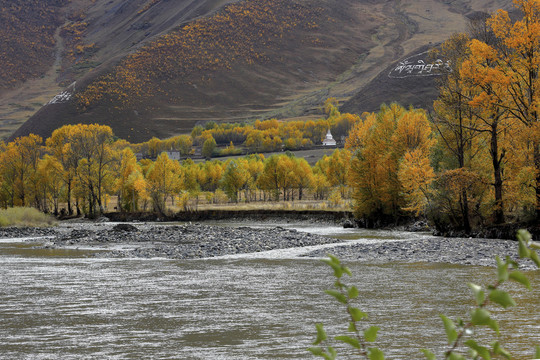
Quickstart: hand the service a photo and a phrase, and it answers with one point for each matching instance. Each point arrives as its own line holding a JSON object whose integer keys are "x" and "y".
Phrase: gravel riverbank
{"x": 181, "y": 241}
{"x": 464, "y": 251}
{"x": 192, "y": 241}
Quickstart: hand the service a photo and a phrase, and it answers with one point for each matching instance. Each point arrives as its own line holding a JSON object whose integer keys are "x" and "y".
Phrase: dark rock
{"x": 124, "y": 227}
{"x": 418, "y": 226}
{"x": 348, "y": 224}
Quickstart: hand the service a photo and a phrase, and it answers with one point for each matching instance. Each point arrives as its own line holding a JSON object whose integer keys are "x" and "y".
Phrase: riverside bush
{"x": 25, "y": 216}
{"x": 460, "y": 333}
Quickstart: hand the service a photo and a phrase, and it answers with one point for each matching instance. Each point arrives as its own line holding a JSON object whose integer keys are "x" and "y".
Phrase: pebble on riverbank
{"x": 186, "y": 241}
{"x": 464, "y": 251}
{"x": 204, "y": 241}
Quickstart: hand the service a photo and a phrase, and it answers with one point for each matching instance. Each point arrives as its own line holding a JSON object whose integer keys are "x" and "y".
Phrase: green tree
{"x": 208, "y": 148}
{"x": 234, "y": 178}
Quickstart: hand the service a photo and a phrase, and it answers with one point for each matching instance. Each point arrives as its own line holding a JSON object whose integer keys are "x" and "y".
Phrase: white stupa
{"x": 329, "y": 140}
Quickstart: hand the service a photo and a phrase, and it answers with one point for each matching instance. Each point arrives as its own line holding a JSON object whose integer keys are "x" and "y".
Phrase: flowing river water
{"x": 61, "y": 304}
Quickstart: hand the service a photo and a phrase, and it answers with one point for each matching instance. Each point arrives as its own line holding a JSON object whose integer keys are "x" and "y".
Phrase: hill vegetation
{"x": 27, "y": 49}
{"x": 158, "y": 68}
{"x": 240, "y": 33}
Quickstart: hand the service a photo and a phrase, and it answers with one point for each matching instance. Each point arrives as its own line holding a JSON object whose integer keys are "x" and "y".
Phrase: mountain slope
{"x": 156, "y": 68}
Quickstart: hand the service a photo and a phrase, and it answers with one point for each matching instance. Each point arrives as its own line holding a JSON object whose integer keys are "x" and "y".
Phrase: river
{"x": 60, "y": 304}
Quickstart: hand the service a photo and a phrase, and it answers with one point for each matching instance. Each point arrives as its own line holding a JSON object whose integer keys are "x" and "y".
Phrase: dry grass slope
{"x": 27, "y": 49}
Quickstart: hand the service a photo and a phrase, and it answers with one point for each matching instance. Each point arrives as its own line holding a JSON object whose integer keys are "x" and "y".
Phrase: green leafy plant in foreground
{"x": 459, "y": 332}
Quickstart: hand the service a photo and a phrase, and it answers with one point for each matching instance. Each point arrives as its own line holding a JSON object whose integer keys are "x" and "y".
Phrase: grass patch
{"x": 23, "y": 216}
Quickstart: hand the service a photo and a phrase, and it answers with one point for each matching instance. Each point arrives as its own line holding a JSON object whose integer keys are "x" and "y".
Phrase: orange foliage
{"x": 240, "y": 33}
{"x": 73, "y": 36}
{"x": 27, "y": 38}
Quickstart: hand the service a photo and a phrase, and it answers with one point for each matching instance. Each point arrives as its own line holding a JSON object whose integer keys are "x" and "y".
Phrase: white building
{"x": 329, "y": 140}
{"x": 173, "y": 155}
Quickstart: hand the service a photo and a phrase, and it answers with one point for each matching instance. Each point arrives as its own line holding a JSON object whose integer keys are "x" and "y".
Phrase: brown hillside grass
{"x": 27, "y": 38}
{"x": 162, "y": 90}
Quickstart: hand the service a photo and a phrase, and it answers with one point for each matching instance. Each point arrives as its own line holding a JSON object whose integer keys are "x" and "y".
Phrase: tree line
{"x": 82, "y": 166}
{"x": 472, "y": 161}
{"x": 223, "y": 139}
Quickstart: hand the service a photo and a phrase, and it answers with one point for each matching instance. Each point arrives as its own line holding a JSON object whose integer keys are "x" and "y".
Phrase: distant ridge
{"x": 157, "y": 68}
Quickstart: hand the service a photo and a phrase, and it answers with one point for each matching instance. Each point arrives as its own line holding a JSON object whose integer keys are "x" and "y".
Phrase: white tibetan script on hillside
{"x": 418, "y": 65}
{"x": 64, "y": 96}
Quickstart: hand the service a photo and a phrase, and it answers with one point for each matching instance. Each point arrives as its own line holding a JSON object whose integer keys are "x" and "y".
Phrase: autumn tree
{"x": 164, "y": 181}
{"x": 337, "y": 171}
{"x": 59, "y": 145}
{"x": 208, "y": 148}
{"x": 234, "y": 179}
{"x": 19, "y": 167}
{"x": 454, "y": 119}
{"x": 130, "y": 182}
{"x": 379, "y": 143}
{"x": 514, "y": 71}
{"x": 304, "y": 176}
{"x": 50, "y": 174}
{"x": 92, "y": 146}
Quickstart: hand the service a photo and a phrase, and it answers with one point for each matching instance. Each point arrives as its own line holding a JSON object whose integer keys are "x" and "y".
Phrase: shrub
{"x": 460, "y": 332}
{"x": 24, "y": 216}
{"x": 335, "y": 200}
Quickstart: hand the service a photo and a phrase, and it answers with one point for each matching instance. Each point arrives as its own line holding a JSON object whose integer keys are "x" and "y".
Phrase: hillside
{"x": 156, "y": 68}
{"x": 27, "y": 49}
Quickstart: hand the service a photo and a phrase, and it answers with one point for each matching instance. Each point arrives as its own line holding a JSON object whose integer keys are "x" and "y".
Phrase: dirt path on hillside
{"x": 397, "y": 29}
{"x": 409, "y": 25}
{"x": 18, "y": 105}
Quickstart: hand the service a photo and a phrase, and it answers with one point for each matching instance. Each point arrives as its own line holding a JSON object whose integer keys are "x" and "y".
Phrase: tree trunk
{"x": 498, "y": 212}
{"x": 465, "y": 211}
{"x": 537, "y": 167}
{"x": 70, "y": 209}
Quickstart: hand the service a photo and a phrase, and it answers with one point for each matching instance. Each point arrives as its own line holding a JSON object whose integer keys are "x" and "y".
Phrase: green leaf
{"x": 317, "y": 351}
{"x": 511, "y": 262}
{"x": 520, "y": 277}
{"x": 479, "y": 294}
{"x": 502, "y": 270}
{"x": 375, "y": 354}
{"x": 352, "y": 327}
{"x": 332, "y": 352}
{"x": 339, "y": 296}
{"x": 357, "y": 314}
{"x": 428, "y": 354}
{"x": 349, "y": 340}
{"x": 481, "y": 350}
{"x": 524, "y": 235}
{"x": 494, "y": 325}
{"x": 534, "y": 245}
{"x": 454, "y": 356}
{"x": 535, "y": 258}
{"x": 338, "y": 270}
{"x": 537, "y": 354}
{"x": 353, "y": 292}
{"x": 502, "y": 298}
{"x": 450, "y": 329}
{"x": 523, "y": 250}
{"x": 347, "y": 271}
{"x": 334, "y": 259}
{"x": 499, "y": 350}
{"x": 321, "y": 334}
{"x": 480, "y": 317}
{"x": 371, "y": 334}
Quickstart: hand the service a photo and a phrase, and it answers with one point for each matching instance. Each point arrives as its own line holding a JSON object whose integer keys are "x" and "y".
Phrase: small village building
{"x": 329, "y": 140}
{"x": 173, "y": 155}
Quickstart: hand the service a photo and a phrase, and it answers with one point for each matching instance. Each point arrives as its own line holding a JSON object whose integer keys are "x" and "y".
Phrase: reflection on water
{"x": 62, "y": 305}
